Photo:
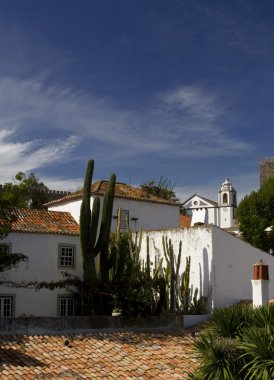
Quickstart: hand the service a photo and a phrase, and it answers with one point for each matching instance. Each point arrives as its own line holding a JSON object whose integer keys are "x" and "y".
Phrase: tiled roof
{"x": 98, "y": 355}
{"x": 122, "y": 190}
{"x": 185, "y": 221}
{"x": 44, "y": 222}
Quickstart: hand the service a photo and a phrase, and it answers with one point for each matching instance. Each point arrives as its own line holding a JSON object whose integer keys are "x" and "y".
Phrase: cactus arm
{"x": 178, "y": 261}
{"x": 148, "y": 259}
{"x": 85, "y": 219}
{"x": 106, "y": 227}
{"x": 103, "y": 238}
{"x": 94, "y": 223}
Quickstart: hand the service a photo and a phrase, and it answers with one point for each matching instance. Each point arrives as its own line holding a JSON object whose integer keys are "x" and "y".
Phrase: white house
{"x": 51, "y": 241}
{"x": 221, "y": 264}
{"x": 139, "y": 207}
{"x": 221, "y": 213}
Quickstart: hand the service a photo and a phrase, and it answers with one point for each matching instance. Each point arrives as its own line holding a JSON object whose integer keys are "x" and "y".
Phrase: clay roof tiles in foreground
{"x": 99, "y": 355}
{"x": 44, "y": 222}
{"x": 122, "y": 190}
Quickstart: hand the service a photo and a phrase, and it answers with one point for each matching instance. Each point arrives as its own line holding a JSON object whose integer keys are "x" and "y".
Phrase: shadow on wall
{"x": 206, "y": 272}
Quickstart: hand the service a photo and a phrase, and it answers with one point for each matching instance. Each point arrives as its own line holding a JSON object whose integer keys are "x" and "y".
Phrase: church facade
{"x": 206, "y": 211}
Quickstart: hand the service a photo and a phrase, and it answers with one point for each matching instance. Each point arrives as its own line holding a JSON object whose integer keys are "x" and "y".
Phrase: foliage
{"x": 229, "y": 322}
{"x": 138, "y": 292}
{"x": 163, "y": 189}
{"x": 255, "y": 213}
{"x": 8, "y": 260}
{"x": 25, "y": 192}
{"x": 258, "y": 353}
{"x": 237, "y": 343}
{"x": 219, "y": 357}
{"x": 198, "y": 305}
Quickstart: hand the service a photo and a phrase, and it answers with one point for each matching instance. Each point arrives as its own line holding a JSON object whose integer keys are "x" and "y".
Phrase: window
{"x": 4, "y": 248}
{"x": 66, "y": 256}
{"x": 66, "y": 306}
{"x": 225, "y": 198}
{"x": 124, "y": 219}
{"x": 6, "y": 306}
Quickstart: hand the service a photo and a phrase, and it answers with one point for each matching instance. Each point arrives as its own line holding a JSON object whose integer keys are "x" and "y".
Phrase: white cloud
{"x": 30, "y": 155}
{"x": 68, "y": 184}
{"x": 183, "y": 123}
{"x": 199, "y": 103}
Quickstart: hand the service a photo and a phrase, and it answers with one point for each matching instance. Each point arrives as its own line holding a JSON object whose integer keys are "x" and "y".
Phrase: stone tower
{"x": 266, "y": 169}
{"x": 227, "y": 203}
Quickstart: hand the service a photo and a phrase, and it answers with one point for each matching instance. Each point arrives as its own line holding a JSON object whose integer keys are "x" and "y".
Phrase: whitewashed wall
{"x": 221, "y": 264}
{"x": 196, "y": 243}
{"x": 73, "y": 207}
{"x": 42, "y": 251}
{"x": 149, "y": 215}
{"x": 233, "y": 260}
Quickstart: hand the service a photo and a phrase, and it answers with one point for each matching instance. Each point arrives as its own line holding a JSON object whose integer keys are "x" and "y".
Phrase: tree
{"x": 7, "y": 259}
{"x": 256, "y": 213}
{"x": 25, "y": 192}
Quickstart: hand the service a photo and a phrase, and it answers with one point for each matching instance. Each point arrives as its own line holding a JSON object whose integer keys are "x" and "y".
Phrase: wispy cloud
{"x": 186, "y": 122}
{"x": 198, "y": 103}
{"x": 30, "y": 155}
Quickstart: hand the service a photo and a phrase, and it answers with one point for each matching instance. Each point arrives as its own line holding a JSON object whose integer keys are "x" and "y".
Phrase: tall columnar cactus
{"x": 106, "y": 260}
{"x": 147, "y": 268}
{"x": 94, "y": 238}
{"x": 184, "y": 291}
{"x": 172, "y": 270}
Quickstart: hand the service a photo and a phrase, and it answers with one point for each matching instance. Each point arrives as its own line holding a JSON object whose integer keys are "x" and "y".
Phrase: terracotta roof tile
{"x": 185, "y": 221}
{"x": 122, "y": 190}
{"x": 44, "y": 222}
{"x": 99, "y": 355}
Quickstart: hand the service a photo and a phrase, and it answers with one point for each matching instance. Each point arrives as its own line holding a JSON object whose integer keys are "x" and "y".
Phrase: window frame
{"x": 11, "y": 308}
{"x": 125, "y": 220}
{"x": 59, "y": 306}
{"x": 68, "y": 266}
{"x": 225, "y": 198}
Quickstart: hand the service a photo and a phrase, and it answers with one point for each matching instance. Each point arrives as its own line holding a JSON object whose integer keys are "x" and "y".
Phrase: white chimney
{"x": 260, "y": 284}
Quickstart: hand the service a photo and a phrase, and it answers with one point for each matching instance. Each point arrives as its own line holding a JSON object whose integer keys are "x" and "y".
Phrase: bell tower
{"x": 227, "y": 203}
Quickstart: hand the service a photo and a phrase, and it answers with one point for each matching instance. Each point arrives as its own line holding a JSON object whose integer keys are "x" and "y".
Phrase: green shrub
{"x": 220, "y": 358}
{"x": 237, "y": 343}
{"x": 258, "y": 354}
{"x": 229, "y": 322}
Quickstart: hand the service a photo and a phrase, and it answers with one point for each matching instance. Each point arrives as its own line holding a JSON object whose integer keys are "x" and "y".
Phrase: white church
{"x": 222, "y": 213}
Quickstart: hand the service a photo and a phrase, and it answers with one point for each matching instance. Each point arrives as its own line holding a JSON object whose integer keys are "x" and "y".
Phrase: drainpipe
{"x": 260, "y": 284}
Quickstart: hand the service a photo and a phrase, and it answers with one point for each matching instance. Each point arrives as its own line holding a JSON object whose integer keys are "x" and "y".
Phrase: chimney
{"x": 260, "y": 284}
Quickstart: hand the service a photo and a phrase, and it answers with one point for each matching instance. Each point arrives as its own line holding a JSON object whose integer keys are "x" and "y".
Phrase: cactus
{"x": 91, "y": 246}
{"x": 184, "y": 291}
{"x": 147, "y": 268}
{"x": 172, "y": 271}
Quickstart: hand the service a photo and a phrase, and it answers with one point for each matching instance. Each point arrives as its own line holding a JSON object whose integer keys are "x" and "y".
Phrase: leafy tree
{"x": 7, "y": 259}
{"x": 25, "y": 192}
{"x": 255, "y": 213}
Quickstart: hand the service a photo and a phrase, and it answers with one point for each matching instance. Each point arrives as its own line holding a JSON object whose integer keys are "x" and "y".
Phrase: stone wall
{"x": 41, "y": 325}
{"x": 266, "y": 169}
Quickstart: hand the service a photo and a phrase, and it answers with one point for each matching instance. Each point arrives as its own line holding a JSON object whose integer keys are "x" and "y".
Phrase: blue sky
{"x": 148, "y": 88}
